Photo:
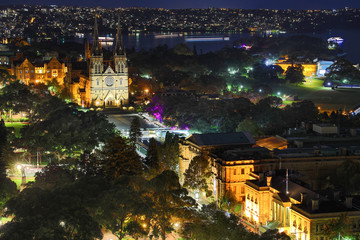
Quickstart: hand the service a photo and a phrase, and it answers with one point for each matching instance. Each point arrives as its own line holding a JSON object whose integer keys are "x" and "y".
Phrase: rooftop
{"x": 219, "y": 139}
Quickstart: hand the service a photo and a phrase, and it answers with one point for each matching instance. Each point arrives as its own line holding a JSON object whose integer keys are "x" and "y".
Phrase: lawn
{"x": 17, "y": 126}
{"x": 18, "y": 180}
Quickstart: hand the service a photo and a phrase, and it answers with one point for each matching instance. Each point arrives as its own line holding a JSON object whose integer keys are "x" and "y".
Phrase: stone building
{"x": 40, "y": 71}
{"x": 108, "y": 79}
{"x": 296, "y": 210}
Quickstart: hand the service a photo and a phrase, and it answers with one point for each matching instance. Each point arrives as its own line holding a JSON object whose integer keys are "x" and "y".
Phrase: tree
{"x": 8, "y": 188}
{"x": 3, "y": 144}
{"x": 134, "y": 229}
{"x": 197, "y": 176}
{"x": 250, "y": 126}
{"x": 119, "y": 158}
{"x": 347, "y": 177}
{"x": 168, "y": 153}
{"x": 294, "y": 74}
{"x": 54, "y": 175}
{"x": 337, "y": 227}
{"x": 229, "y": 203}
{"x": 182, "y": 49}
{"x": 17, "y": 97}
{"x": 169, "y": 200}
{"x": 5, "y": 77}
{"x": 274, "y": 235}
{"x": 66, "y": 131}
{"x": 135, "y": 132}
{"x": 49, "y": 214}
{"x": 343, "y": 71}
{"x": 214, "y": 224}
{"x": 120, "y": 206}
{"x": 152, "y": 158}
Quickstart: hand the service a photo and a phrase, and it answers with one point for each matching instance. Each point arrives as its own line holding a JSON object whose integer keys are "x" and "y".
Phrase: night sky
{"x": 252, "y": 4}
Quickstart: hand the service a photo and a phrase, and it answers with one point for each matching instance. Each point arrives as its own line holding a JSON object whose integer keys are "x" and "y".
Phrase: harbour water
{"x": 147, "y": 41}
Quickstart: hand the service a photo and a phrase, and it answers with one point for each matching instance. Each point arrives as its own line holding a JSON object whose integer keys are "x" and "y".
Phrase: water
{"x": 147, "y": 41}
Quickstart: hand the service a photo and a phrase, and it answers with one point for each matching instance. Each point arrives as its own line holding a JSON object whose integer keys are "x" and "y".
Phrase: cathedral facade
{"x": 109, "y": 81}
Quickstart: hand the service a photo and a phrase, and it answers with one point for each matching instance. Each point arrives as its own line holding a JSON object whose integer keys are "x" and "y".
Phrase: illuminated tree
{"x": 337, "y": 227}
{"x": 213, "y": 224}
{"x": 168, "y": 153}
{"x": 197, "y": 176}
{"x": 294, "y": 74}
{"x": 120, "y": 206}
{"x": 169, "y": 200}
{"x": 343, "y": 71}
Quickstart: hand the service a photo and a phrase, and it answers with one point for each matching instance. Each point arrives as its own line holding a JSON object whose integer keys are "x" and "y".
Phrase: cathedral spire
{"x": 96, "y": 48}
{"x": 119, "y": 46}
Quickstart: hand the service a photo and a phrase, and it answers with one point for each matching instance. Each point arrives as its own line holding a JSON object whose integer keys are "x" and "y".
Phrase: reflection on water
{"x": 148, "y": 40}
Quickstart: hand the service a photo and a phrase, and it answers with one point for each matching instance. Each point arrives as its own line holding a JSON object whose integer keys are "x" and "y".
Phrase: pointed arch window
{"x": 119, "y": 67}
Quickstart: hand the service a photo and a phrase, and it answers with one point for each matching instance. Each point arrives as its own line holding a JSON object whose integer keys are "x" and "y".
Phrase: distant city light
{"x": 233, "y": 71}
{"x": 269, "y": 62}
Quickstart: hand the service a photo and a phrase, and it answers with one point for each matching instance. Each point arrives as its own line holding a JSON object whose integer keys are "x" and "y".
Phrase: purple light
{"x": 173, "y": 128}
{"x": 184, "y": 127}
{"x": 156, "y": 109}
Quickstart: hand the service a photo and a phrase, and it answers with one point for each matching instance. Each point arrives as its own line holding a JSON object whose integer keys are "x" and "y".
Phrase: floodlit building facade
{"x": 294, "y": 209}
{"x": 40, "y": 71}
{"x": 108, "y": 80}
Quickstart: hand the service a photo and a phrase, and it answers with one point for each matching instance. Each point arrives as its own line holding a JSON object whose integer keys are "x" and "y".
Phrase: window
{"x": 242, "y": 190}
{"x": 120, "y": 81}
{"x": 97, "y": 81}
{"x": 242, "y": 171}
{"x": 234, "y": 171}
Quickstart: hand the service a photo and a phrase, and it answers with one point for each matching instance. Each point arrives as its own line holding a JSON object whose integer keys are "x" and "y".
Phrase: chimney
{"x": 303, "y": 197}
{"x": 268, "y": 181}
{"x": 261, "y": 176}
{"x": 315, "y": 204}
{"x": 348, "y": 202}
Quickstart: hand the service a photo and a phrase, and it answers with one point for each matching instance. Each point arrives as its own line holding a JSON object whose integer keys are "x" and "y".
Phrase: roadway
{"x": 123, "y": 121}
{"x": 149, "y": 127}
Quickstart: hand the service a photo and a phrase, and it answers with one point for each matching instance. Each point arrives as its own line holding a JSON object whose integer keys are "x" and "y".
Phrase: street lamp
{"x": 21, "y": 168}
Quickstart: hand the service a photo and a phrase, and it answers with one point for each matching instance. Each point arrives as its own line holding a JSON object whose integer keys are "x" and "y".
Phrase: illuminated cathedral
{"x": 109, "y": 82}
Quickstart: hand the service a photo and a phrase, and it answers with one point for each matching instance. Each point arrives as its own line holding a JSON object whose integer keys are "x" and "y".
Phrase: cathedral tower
{"x": 109, "y": 83}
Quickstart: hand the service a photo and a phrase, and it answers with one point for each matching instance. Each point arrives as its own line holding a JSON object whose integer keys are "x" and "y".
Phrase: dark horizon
{"x": 186, "y": 4}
